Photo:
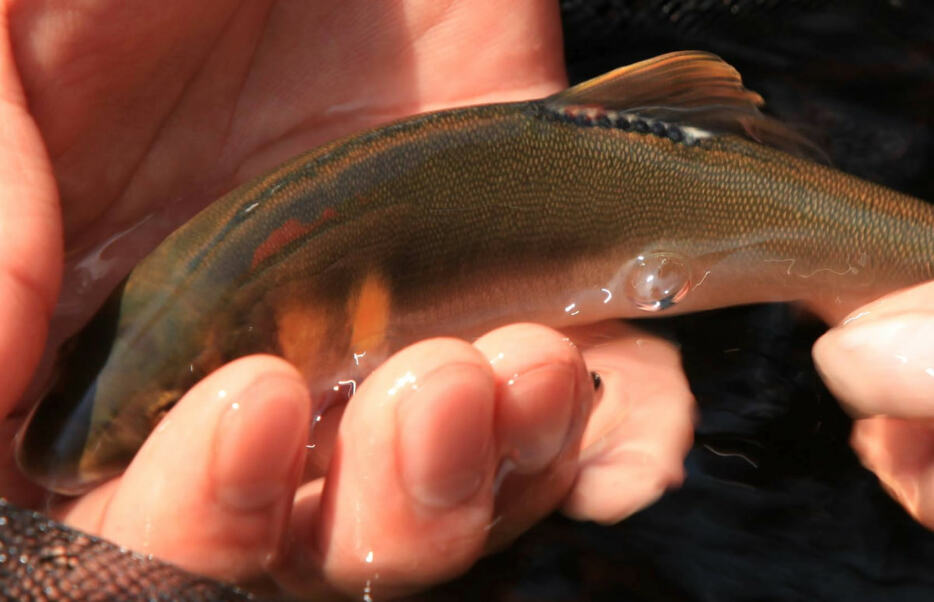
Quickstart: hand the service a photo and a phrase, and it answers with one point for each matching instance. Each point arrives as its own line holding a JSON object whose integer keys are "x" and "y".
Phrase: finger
{"x": 410, "y": 487}
{"x": 30, "y": 235}
{"x": 901, "y": 453}
{"x": 641, "y": 427}
{"x": 543, "y": 398}
{"x": 883, "y": 365}
{"x": 212, "y": 488}
{"x": 910, "y": 299}
{"x": 880, "y": 365}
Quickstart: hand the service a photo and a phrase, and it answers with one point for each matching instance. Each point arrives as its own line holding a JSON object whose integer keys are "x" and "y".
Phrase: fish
{"x": 656, "y": 189}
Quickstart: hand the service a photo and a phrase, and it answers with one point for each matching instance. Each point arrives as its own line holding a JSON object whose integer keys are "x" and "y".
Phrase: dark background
{"x": 775, "y": 505}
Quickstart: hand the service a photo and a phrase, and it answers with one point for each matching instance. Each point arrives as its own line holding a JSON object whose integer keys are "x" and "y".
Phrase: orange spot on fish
{"x": 303, "y": 332}
{"x": 370, "y": 311}
{"x": 291, "y": 230}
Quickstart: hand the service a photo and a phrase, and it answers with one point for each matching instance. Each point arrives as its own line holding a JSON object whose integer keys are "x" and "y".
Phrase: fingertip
{"x": 543, "y": 390}
{"x": 411, "y": 475}
{"x": 633, "y": 463}
{"x": 535, "y": 414}
{"x": 525, "y": 342}
{"x": 212, "y": 487}
{"x": 881, "y": 366}
{"x": 446, "y": 435}
{"x": 224, "y": 412}
{"x": 544, "y": 395}
{"x": 622, "y": 484}
{"x": 639, "y": 432}
{"x": 259, "y": 442}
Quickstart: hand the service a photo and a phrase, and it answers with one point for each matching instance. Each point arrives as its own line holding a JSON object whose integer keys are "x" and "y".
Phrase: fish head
{"x": 103, "y": 402}
{"x": 64, "y": 448}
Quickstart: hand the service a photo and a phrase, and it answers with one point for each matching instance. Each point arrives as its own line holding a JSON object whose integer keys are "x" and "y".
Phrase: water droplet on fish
{"x": 656, "y": 281}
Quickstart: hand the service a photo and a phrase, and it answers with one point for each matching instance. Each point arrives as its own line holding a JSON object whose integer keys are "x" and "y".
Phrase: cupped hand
{"x": 880, "y": 364}
{"x": 447, "y": 451}
{"x": 127, "y": 118}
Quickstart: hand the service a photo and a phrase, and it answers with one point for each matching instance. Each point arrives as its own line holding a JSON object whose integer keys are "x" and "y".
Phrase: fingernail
{"x": 259, "y": 442}
{"x": 539, "y": 404}
{"x": 446, "y": 435}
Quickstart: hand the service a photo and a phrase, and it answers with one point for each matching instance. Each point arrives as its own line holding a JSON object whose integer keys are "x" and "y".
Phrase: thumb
{"x": 30, "y": 234}
{"x": 883, "y": 366}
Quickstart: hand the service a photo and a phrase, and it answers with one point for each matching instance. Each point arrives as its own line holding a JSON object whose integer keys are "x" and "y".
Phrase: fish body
{"x": 634, "y": 194}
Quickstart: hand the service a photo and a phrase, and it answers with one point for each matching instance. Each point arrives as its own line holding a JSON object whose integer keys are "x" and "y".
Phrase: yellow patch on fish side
{"x": 369, "y": 311}
{"x": 303, "y": 331}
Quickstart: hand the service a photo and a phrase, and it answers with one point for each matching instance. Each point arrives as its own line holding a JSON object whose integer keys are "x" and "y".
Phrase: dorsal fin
{"x": 690, "y": 89}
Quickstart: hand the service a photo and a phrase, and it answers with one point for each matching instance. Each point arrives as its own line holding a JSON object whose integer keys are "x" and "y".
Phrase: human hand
{"x": 225, "y": 505}
{"x": 880, "y": 365}
{"x": 447, "y": 451}
{"x": 120, "y": 120}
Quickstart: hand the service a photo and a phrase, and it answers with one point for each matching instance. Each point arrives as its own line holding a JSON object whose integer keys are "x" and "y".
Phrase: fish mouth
{"x": 50, "y": 445}
{"x": 59, "y": 446}
{"x": 66, "y": 448}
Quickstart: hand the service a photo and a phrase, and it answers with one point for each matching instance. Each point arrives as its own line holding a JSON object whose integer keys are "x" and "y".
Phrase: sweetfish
{"x": 655, "y": 189}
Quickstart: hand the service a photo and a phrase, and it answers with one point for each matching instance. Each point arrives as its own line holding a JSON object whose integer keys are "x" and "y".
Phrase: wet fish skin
{"x": 458, "y": 221}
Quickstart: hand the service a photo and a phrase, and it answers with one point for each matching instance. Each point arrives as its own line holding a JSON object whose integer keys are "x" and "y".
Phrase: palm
{"x": 167, "y": 104}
